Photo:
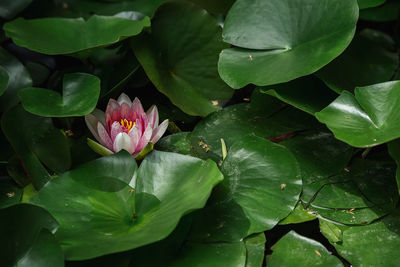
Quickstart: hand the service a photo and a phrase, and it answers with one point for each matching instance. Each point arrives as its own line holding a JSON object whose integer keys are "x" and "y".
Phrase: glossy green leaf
{"x": 362, "y": 4}
{"x": 18, "y": 77}
{"x": 36, "y": 140}
{"x": 26, "y": 234}
{"x": 364, "y": 62}
{"x": 262, "y": 179}
{"x": 10, "y": 193}
{"x": 3, "y": 80}
{"x": 308, "y": 94}
{"x": 79, "y": 98}
{"x": 366, "y": 192}
{"x": 394, "y": 150}
{"x": 331, "y": 231}
{"x": 372, "y": 245}
{"x": 386, "y": 12}
{"x": 368, "y": 118}
{"x": 183, "y": 69}
{"x": 168, "y": 185}
{"x": 278, "y": 41}
{"x": 10, "y": 8}
{"x": 221, "y": 6}
{"x": 179, "y": 143}
{"x": 296, "y": 250}
{"x": 264, "y": 117}
{"x": 299, "y": 215}
{"x": 71, "y": 35}
{"x": 255, "y": 246}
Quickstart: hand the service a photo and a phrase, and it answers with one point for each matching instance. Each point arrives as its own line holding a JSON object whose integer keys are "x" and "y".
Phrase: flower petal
{"x": 100, "y": 115}
{"x": 145, "y": 138}
{"x": 116, "y": 128}
{"x": 123, "y": 141}
{"x": 159, "y": 131}
{"x": 137, "y": 107}
{"x": 91, "y": 122}
{"x": 112, "y": 113}
{"x": 123, "y": 98}
{"x": 104, "y": 138}
{"x": 135, "y": 136}
{"x": 152, "y": 116}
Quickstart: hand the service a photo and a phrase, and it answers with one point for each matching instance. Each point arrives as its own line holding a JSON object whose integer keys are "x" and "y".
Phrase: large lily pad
{"x": 296, "y": 250}
{"x": 394, "y": 150}
{"x": 80, "y": 94}
{"x": 389, "y": 11}
{"x": 365, "y": 62}
{"x": 372, "y": 245}
{"x": 368, "y": 118}
{"x": 183, "y": 69}
{"x": 280, "y": 40}
{"x": 36, "y": 140}
{"x": 95, "y": 201}
{"x": 262, "y": 185}
{"x": 71, "y": 35}
{"x": 370, "y": 3}
{"x": 18, "y": 77}
{"x": 3, "y": 80}
{"x": 27, "y": 234}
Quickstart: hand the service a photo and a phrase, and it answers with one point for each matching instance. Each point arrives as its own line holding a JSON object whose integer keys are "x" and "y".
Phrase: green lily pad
{"x": 369, "y": 3}
{"x": 331, "y": 231}
{"x": 255, "y": 246}
{"x": 296, "y": 250}
{"x": 71, "y": 35}
{"x": 364, "y": 62}
{"x": 36, "y": 140}
{"x": 265, "y": 117}
{"x": 80, "y": 94}
{"x": 28, "y": 230}
{"x": 178, "y": 143}
{"x": 298, "y": 215}
{"x": 262, "y": 182}
{"x": 18, "y": 77}
{"x": 115, "y": 216}
{"x": 394, "y": 150}
{"x": 308, "y": 94}
{"x": 372, "y": 245}
{"x": 278, "y": 41}
{"x": 389, "y": 11}
{"x": 10, "y": 193}
{"x": 368, "y": 118}
{"x": 173, "y": 61}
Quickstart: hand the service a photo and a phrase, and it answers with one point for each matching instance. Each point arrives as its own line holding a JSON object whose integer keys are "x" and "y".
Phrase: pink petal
{"x": 91, "y": 122}
{"x": 124, "y": 111}
{"x": 123, "y": 141}
{"x": 137, "y": 107}
{"x": 135, "y": 136}
{"x": 116, "y": 128}
{"x": 145, "y": 138}
{"x": 104, "y": 138}
{"x": 159, "y": 131}
{"x": 152, "y": 117}
{"x": 112, "y": 113}
{"x": 123, "y": 98}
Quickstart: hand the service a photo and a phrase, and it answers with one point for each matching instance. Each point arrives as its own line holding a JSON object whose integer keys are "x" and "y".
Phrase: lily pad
{"x": 117, "y": 217}
{"x": 364, "y": 62}
{"x": 80, "y": 94}
{"x": 18, "y": 78}
{"x": 255, "y": 246}
{"x": 10, "y": 193}
{"x": 372, "y": 245}
{"x": 369, "y": 3}
{"x": 173, "y": 61}
{"x": 394, "y": 150}
{"x": 3, "y": 80}
{"x": 278, "y": 41}
{"x": 389, "y": 11}
{"x": 179, "y": 143}
{"x": 262, "y": 182}
{"x": 10, "y": 8}
{"x": 368, "y": 118}
{"x": 28, "y": 230}
{"x": 36, "y": 140}
{"x": 69, "y": 35}
{"x": 296, "y": 250}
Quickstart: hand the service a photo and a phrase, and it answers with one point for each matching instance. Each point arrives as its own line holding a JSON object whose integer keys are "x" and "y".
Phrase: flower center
{"x": 127, "y": 124}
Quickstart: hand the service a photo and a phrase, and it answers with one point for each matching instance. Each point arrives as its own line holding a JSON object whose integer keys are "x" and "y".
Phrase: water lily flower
{"x": 125, "y": 125}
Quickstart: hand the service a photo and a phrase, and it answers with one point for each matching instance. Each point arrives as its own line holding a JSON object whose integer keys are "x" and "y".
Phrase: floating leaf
{"x": 79, "y": 98}
{"x": 364, "y": 62}
{"x": 278, "y": 41}
{"x": 10, "y": 193}
{"x": 296, "y": 250}
{"x": 370, "y": 3}
{"x": 167, "y": 186}
{"x": 179, "y": 143}
{"x": 3, "y": 80}
{"x": 255, "y": 246}
{"x": 331, "y": 231}
{"x": 10, "y": 8}
{"x": 368, "y": 118}
{"x": 71, "y": 35}
{"x": 386, "y": 12}
{"x": 183, "y": 69}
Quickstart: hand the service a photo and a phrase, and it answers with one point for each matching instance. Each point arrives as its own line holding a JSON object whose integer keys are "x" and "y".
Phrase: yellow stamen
{"x": 127, "y": 124}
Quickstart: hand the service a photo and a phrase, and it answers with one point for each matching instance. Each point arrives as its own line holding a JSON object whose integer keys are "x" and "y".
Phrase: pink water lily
{"x": 125, "y": 125}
